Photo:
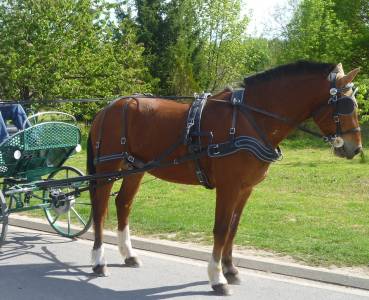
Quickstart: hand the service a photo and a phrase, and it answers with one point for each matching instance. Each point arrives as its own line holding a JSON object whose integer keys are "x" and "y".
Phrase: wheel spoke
{"x": 68, "y": 222}
{"x": 79, "y": 217}
{"x": 72, "y": 215}
{"x": 56, "y": 218}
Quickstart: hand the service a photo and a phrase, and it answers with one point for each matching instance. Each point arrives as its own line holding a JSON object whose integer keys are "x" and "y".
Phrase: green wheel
{"x": 72, "y": 216}
{"x": 3, "y": 219}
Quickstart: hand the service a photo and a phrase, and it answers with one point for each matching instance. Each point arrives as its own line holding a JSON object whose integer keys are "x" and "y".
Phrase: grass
{"x": 312, "y": 206}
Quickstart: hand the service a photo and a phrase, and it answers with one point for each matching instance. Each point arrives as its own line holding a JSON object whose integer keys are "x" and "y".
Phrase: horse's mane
{"x": 298, "y": 67}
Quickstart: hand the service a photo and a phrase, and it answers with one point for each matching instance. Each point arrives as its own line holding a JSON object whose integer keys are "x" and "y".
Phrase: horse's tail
{"x": 90, "y": 157}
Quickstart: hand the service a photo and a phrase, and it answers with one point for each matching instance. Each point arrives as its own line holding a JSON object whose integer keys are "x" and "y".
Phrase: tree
{"x": 315, "y": 33}
{"x": 223, "y": 34}
{"x": 193, "y": 45}
{"x": 66, "y": 49}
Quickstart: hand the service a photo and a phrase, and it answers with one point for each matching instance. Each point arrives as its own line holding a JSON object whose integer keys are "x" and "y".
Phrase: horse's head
{"x": 338, "y": 120}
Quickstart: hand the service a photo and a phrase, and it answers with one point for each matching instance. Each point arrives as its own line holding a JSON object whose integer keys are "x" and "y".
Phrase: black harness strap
{"x": 193, "y": 136}
{"x": 129, "y": 159}
{"x": 237, "y": 98}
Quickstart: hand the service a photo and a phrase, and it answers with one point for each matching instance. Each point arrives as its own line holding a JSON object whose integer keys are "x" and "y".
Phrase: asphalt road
{"x": 36, "y": 265}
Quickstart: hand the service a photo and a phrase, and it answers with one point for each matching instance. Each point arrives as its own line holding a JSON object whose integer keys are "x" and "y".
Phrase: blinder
{"x": 345, "y": 106}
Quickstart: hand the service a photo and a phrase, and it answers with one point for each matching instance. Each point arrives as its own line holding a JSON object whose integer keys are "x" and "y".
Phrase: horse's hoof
{"x": 222, "y": 289}
{"x": 133, "y": 262}
{"x": 232, "y": 278}
{"x": 100, "y": 270}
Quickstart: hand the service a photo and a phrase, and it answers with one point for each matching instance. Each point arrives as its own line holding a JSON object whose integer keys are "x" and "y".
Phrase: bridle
{"x": 342, "y": 105}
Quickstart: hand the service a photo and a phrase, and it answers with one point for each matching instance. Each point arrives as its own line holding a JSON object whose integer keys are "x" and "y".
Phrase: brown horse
{"x": 293, "y": 92}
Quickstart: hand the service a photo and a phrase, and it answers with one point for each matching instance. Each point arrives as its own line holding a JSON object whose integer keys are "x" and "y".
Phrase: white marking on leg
{"x": 225, "y": 269}
{"x": 124, "y": 243}
{"x": 215, "y": 272}
{"x": 98, "y": 257}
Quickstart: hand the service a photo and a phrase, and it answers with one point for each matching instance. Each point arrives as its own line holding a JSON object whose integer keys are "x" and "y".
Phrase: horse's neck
{"x": 294, "y": 101}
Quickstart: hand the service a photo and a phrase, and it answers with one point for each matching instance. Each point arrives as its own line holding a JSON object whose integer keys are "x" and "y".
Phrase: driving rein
{"x": 192, "y": 136}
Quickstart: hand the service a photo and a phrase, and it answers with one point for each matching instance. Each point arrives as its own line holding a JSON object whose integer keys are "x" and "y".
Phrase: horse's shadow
{"x": 52, "y": 276}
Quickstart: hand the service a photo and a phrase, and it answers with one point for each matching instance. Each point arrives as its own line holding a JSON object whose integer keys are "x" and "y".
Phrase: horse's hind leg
{"x": 99, "y": 198}
{"x": 229, "y": 270}
{"x": 123, "y": 203}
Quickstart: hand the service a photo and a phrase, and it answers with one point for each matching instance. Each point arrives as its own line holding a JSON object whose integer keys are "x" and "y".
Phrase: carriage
{"x": 36, "y": 154}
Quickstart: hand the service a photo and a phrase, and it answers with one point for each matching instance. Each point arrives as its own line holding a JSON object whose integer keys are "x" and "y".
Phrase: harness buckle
{"x": 327, "y": 139}
{"x": 131, "y": 159}
{"x": 215, "y": 149}
{"x": 336, "y": 118}
{"x": 232, "y": 131}
{"x": 123, "y": 140}
{"x": 200, "y": 176}
{"x": 236, "y": 101}
{"x": 97, "y": 145}
{"x": 333, "y": 91}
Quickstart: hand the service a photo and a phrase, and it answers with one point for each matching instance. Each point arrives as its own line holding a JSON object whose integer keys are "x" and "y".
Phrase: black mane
{"x": 298, "y": 67}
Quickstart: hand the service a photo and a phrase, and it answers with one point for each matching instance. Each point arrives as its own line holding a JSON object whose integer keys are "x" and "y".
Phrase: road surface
{"x": 36, "y": 266}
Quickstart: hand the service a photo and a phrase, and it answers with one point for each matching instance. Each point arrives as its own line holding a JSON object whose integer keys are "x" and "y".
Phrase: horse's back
{"x": 149, "y": 125}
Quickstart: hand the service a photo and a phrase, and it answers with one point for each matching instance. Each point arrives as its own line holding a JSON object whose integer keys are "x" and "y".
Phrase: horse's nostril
{"x": 358, "y": 150}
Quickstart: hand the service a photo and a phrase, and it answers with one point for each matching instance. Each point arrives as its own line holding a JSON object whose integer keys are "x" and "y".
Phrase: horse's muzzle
{"x": 347, "y": 152}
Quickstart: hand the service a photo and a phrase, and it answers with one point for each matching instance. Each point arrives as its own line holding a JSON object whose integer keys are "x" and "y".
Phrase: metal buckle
{"x": 333, "y": 91}
{"x": 131, "y": 159}
{"x": 97, "y": 145}
{"x": 336, "y": 118}
{"x": 326, "y": 139}
{"x": 216, "y": 148}
{"x": 232, "y": 131}
{"x": 123, "y": 140}
{"x": 200, "y": 176}
{"x": 236, "y": 101}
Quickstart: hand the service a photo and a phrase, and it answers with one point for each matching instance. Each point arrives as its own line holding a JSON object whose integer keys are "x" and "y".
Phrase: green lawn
{"x": 312, "y": 206}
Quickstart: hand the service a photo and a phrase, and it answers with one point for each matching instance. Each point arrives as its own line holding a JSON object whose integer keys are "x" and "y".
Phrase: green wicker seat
{"x": 38, "y": 150}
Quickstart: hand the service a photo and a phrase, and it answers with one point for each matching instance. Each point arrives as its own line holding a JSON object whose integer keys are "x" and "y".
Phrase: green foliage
{"x": 66, "y": 49}
{"x": 224, "y": 41}
{"x": 315, "y": 33}
{"x": 197, "y": 45}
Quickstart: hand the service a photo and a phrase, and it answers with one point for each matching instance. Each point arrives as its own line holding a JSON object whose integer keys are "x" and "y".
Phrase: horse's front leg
{"x": 99, "y": 198}
{"x": 123, "y": 203}
{"x": 225, "y": 204}
{"x": 229, "y": 270}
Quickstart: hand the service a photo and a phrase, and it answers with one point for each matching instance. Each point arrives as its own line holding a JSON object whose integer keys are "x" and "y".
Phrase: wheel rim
{"x": 73, "y": 217}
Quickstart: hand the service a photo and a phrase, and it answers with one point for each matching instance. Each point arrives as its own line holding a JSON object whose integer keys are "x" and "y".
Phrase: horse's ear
{"x": 338, "y": 69}
{"x": 348, "y": 77}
